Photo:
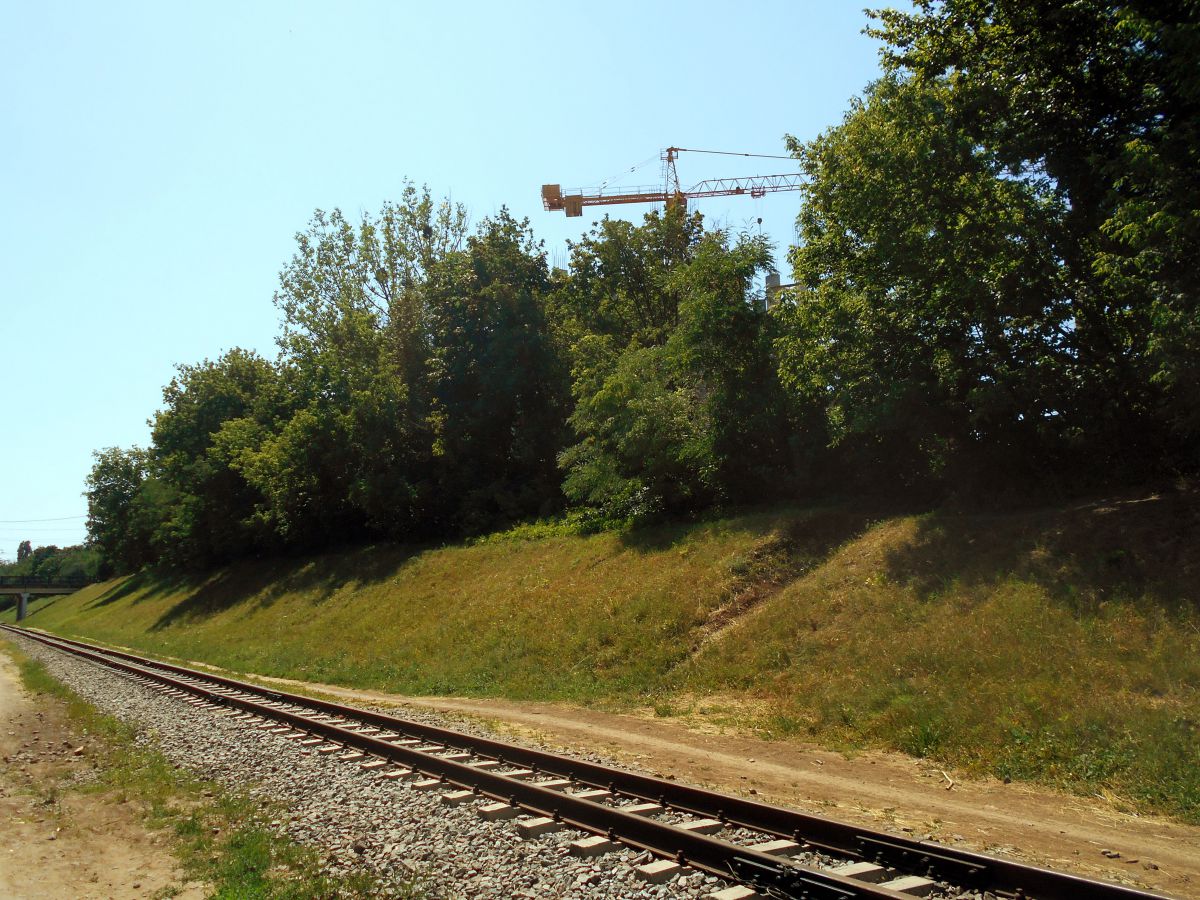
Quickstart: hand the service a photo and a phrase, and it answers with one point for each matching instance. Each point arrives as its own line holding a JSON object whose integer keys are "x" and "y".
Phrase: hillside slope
{"x": 1058, "y": 645}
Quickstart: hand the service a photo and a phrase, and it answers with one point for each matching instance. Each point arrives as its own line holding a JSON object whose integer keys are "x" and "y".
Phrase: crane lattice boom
{"x": 553, "y": 198}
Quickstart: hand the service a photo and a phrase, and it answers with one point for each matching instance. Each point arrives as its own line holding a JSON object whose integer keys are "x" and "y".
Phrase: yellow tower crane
{"x": 670, "y": 193}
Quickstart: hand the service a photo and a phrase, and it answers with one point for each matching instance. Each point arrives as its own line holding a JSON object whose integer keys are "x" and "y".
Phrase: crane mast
{"x": 670, "y": 192}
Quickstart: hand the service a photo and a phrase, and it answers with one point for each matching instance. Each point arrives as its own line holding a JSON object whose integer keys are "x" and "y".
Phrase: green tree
{"x": 24, "y": 551}
{"x": 351, "y": 457}
{"x": 51, "y": 561}
{"x": 1099, "y": 103}
{"x": 677, "y": 403}
{"x": 499, "y": 386}
{"x": 645, "y": 440}
{"x": 126, "y": 509}
{"x": 723, "y": 344}
{"x": 932, "y": 322}
{"x": 619, "y": 282}
{"x": 215, "y": 516}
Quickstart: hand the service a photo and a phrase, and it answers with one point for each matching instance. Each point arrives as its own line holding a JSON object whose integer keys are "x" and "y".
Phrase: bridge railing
{"x": 44, "y": 581}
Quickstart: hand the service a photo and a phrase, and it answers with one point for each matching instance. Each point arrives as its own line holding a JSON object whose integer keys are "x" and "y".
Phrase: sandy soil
{"x": 65, "y": 843}
{"x": 884, "y": 790}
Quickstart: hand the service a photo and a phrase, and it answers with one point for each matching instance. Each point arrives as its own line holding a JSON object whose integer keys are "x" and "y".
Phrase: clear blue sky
{"x": 156, "y": 160}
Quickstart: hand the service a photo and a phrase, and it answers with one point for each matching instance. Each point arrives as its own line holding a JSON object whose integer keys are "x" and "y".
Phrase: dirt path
{"x": 885, "y": 790}
{"x": 61, "y": 844}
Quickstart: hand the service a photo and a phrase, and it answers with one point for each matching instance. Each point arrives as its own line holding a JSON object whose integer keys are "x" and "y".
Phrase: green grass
{"x": 574, "y": 617}
{"x": 220, "y": 837}
{"x": 1060, "y": 645}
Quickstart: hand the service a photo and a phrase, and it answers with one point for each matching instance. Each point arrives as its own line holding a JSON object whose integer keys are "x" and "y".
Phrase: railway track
{"x": 765, "y": 850}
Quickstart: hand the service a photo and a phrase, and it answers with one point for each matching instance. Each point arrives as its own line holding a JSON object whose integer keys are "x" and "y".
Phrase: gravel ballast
{"x": 357, "y": 820}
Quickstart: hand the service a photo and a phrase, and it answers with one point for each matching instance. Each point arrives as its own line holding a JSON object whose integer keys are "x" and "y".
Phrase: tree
{"x": 619, "y": 279}
{"x": 351, "y": 455}
{"x": 677, "y": 404}
{"x": 127, "y": 507}
{"x": 723, "y": 343}
{"x": 498, "y": 383}
{"x": 932, "y": 319}
{"x": 1099, "y": 102}
{"x": 215, "y": 515}
{"x": 54, "y": 562}
{"x": 372, "y": 272}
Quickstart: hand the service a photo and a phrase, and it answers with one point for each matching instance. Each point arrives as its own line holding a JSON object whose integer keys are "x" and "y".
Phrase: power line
{"x": 34, "y": 531}
{"x": 31, "y": 521}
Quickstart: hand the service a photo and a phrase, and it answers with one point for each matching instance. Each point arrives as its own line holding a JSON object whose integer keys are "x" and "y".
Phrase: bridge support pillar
{"x": 22, "y": 606}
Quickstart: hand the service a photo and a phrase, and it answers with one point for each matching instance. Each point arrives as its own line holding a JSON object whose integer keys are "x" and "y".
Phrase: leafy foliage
{"x": 931, "y": 322}
{"x": 995, "y": 295}
{"x": 676, "y": 402}
{"x": 499, "y": 387}
{"x": 212, "y": 518}
{"x": 54, "y": 562}
{"x": 995, "y": 267}
{"x": 126, "y": 508}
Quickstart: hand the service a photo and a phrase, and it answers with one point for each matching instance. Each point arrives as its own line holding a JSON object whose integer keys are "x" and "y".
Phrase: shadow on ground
{"x": 1144, "y": 549}
{"x": 261, "y": 583}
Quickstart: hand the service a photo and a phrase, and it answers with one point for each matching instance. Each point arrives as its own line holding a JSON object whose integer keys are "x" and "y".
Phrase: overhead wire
{"x": 20, "y": 531}
{"x": 31, "y": 521}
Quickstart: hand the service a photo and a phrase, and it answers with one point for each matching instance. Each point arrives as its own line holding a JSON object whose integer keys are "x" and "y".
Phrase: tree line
{"x": 995, "y": 294}
{"x": 52, "y": 561}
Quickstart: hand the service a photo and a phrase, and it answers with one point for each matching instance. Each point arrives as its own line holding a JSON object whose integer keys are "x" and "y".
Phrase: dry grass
{"x": 1057, "y": 645}
{"x": 1060, "y": 646}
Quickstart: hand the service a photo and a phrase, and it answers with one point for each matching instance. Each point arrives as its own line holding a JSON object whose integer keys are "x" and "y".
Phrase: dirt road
{"x": 64, "y": 843}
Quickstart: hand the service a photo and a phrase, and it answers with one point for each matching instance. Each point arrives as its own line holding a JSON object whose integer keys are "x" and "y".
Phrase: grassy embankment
{"x": 221, "y": 838}
{"x": 1060, "y": 646}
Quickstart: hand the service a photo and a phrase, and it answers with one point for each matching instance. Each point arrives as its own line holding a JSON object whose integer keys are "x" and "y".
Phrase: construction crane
{"x": 553, "y": 198}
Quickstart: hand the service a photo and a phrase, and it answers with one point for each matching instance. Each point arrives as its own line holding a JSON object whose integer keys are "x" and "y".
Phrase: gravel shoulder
{"x": 408, "y": 839}
{"x": 67, "y": 843}
{"x": 882, "y": 790}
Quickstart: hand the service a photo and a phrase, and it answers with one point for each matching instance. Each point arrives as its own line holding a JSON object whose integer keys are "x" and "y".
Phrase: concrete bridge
{"x": 26, "y": 586}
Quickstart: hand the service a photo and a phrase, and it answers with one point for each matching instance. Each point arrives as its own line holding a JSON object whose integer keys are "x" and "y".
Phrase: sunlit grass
{"x": 1060, "y": 646}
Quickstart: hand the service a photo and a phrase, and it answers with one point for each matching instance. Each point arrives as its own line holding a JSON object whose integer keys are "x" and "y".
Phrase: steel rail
{"x": 935, "y": 861}
{"x": 698, "y": 851}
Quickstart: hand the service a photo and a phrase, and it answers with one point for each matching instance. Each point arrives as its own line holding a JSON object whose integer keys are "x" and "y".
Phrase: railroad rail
{"x": 616, "y": 807}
